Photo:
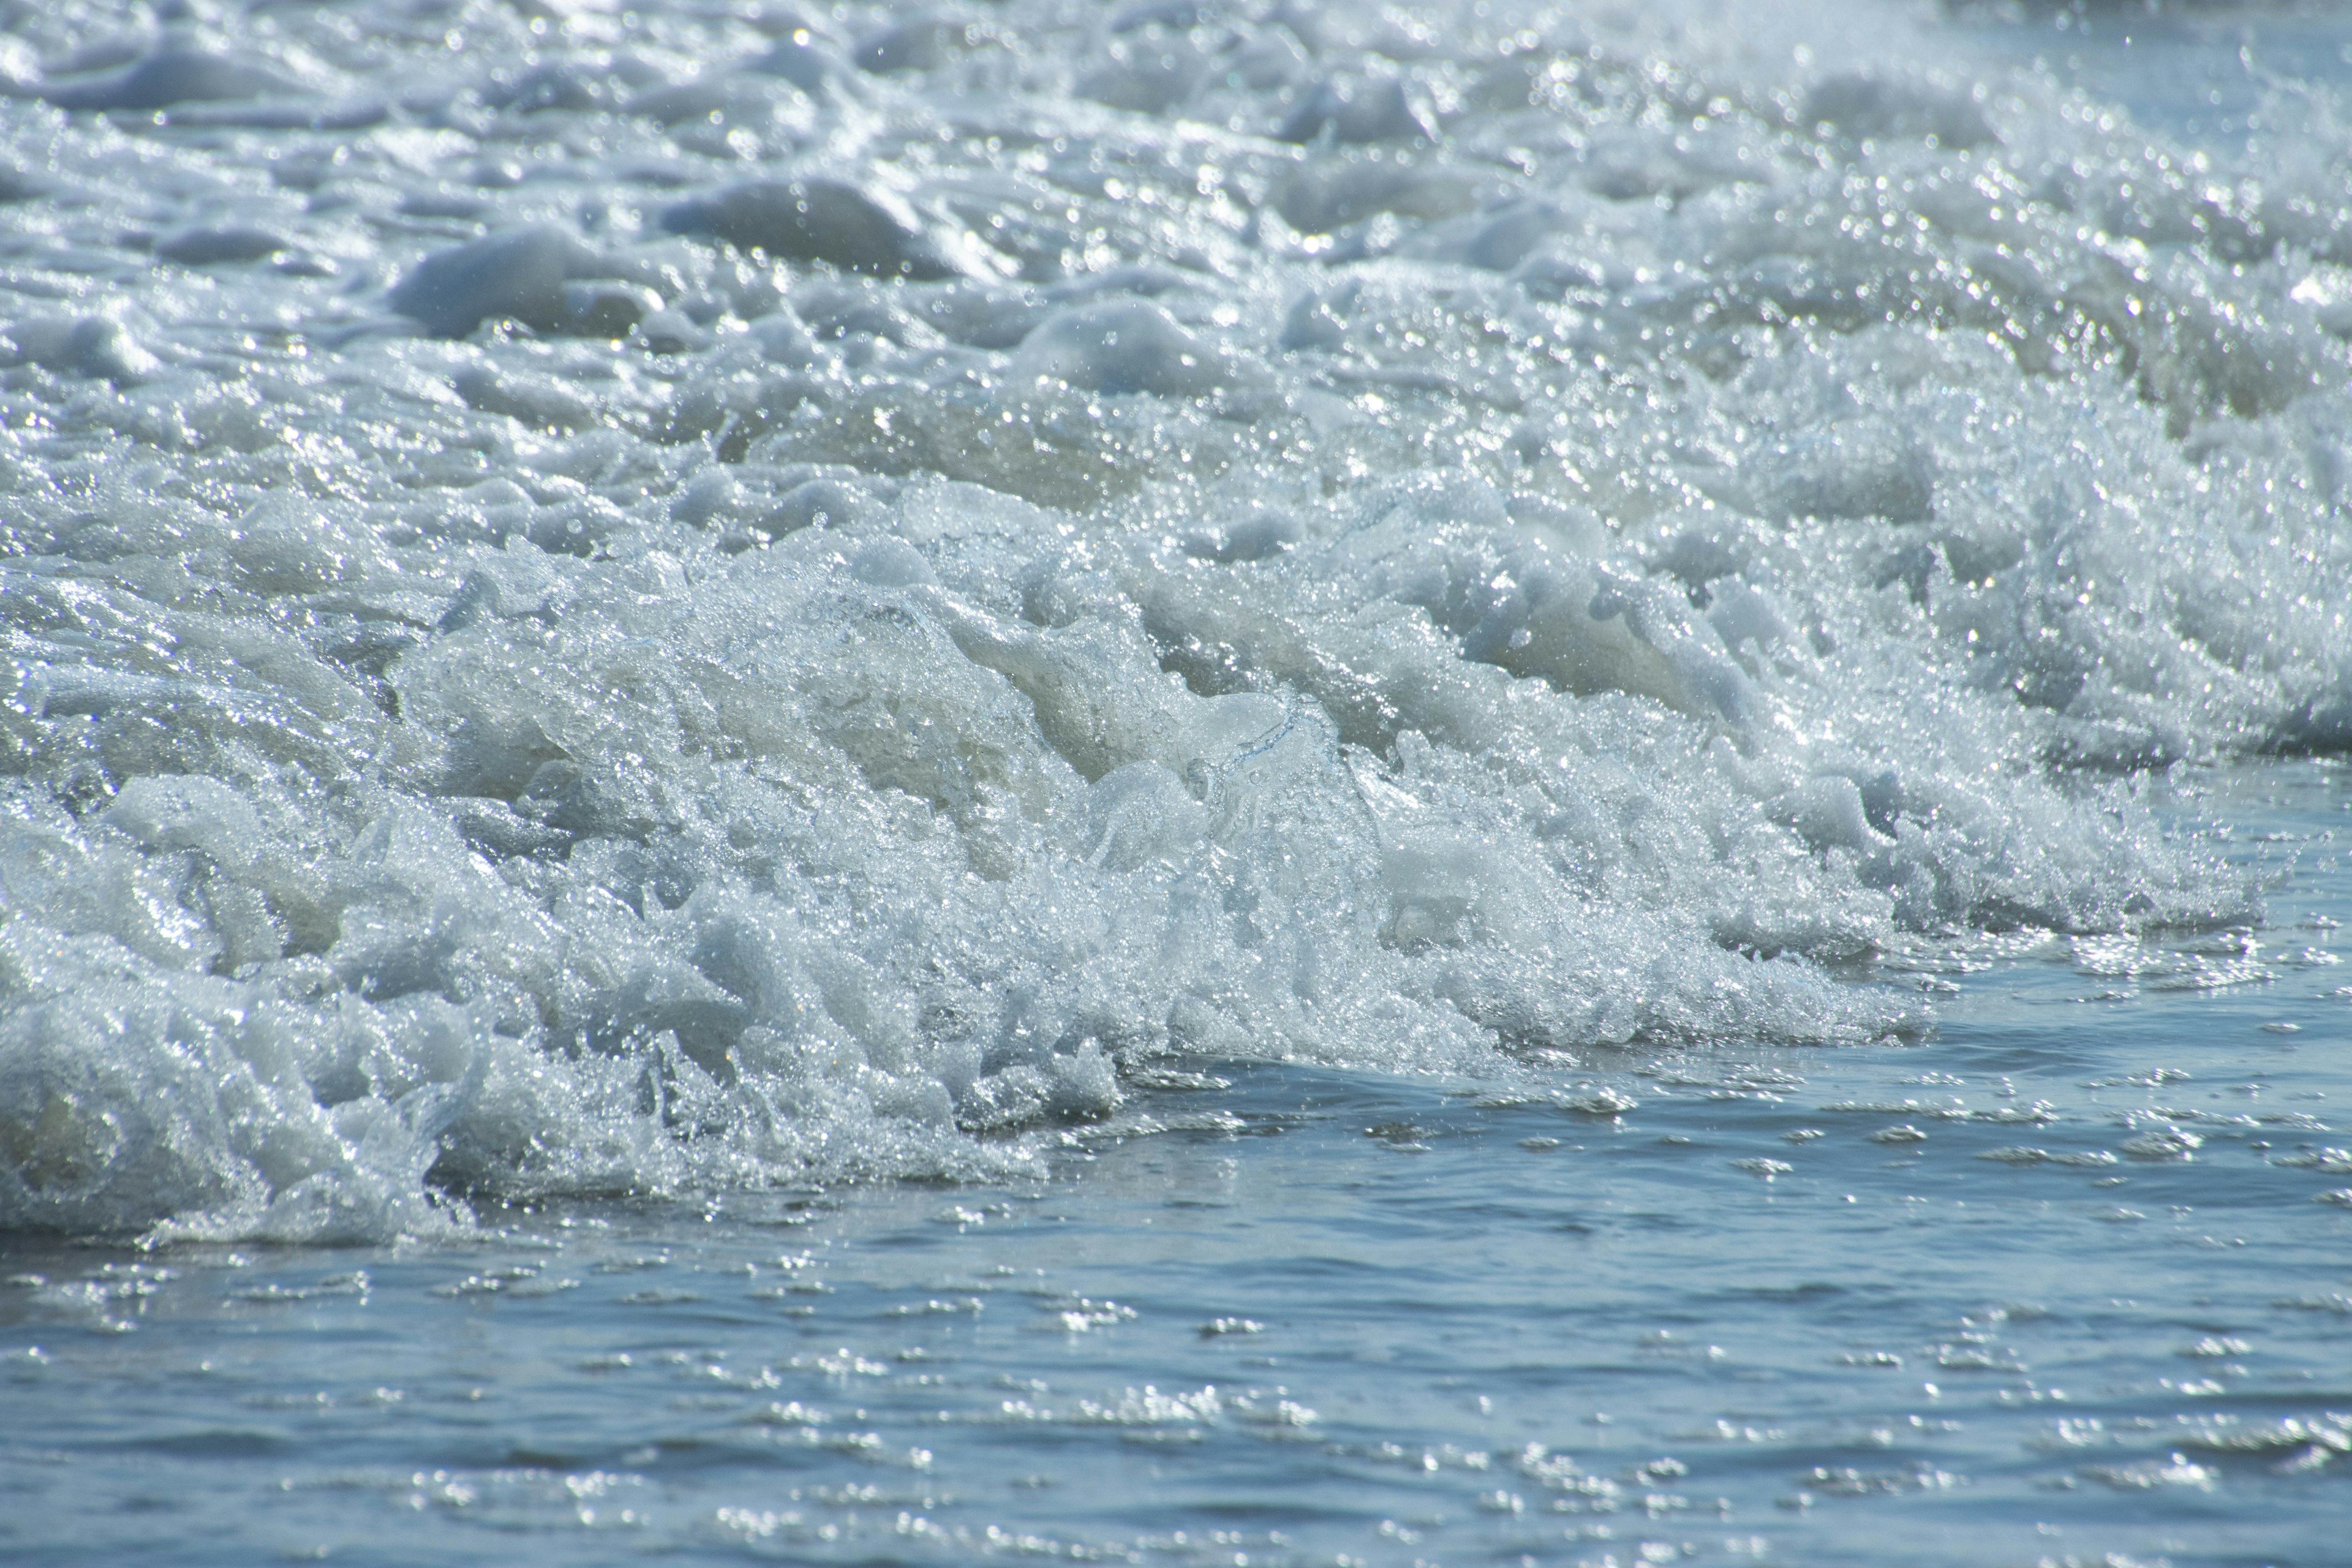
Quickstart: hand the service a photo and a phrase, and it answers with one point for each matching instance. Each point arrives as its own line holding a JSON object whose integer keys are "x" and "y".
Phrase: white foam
{"x": 521, "y": 276}
{"x": 726, "y": 599}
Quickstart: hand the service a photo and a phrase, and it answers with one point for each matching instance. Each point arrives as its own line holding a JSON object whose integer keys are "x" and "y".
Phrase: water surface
{"x": 1474, "y": 783}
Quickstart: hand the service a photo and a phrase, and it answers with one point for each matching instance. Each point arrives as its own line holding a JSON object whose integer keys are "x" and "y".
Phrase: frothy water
{"x": 657, "y": 601}
{"x": 1173, "y": 783}
{"x": 2065, "y": 1287}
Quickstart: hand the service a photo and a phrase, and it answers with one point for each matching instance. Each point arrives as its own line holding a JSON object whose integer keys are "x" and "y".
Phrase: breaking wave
{"x": 607, "y": 600}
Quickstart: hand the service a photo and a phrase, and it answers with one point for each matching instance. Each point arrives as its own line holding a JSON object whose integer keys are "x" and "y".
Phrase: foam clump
{"x": 98, "y": 347}
{"x": 179, "y": 71}
{"x": 522, "y": 274}
{"x": 860, "y": 228}
{"x": 1122, "y": 346}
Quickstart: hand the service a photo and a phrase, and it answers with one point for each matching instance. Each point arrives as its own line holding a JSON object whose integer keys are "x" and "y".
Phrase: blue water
{"x": 1483, "y": 784}
{"x": 1327, "y": 1317}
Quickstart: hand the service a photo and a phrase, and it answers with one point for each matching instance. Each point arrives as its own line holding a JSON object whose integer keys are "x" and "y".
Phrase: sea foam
{"x": 675, "y": 598}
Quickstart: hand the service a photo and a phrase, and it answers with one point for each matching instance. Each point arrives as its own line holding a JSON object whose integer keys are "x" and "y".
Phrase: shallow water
{"x": 1324, "y": 1317}
{"x": 1469, "y": 782}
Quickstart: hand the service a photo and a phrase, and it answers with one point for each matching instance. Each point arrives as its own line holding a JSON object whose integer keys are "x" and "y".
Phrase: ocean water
{"x": 2065, "y": 1284}
{"x": 1290, "y": 784}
